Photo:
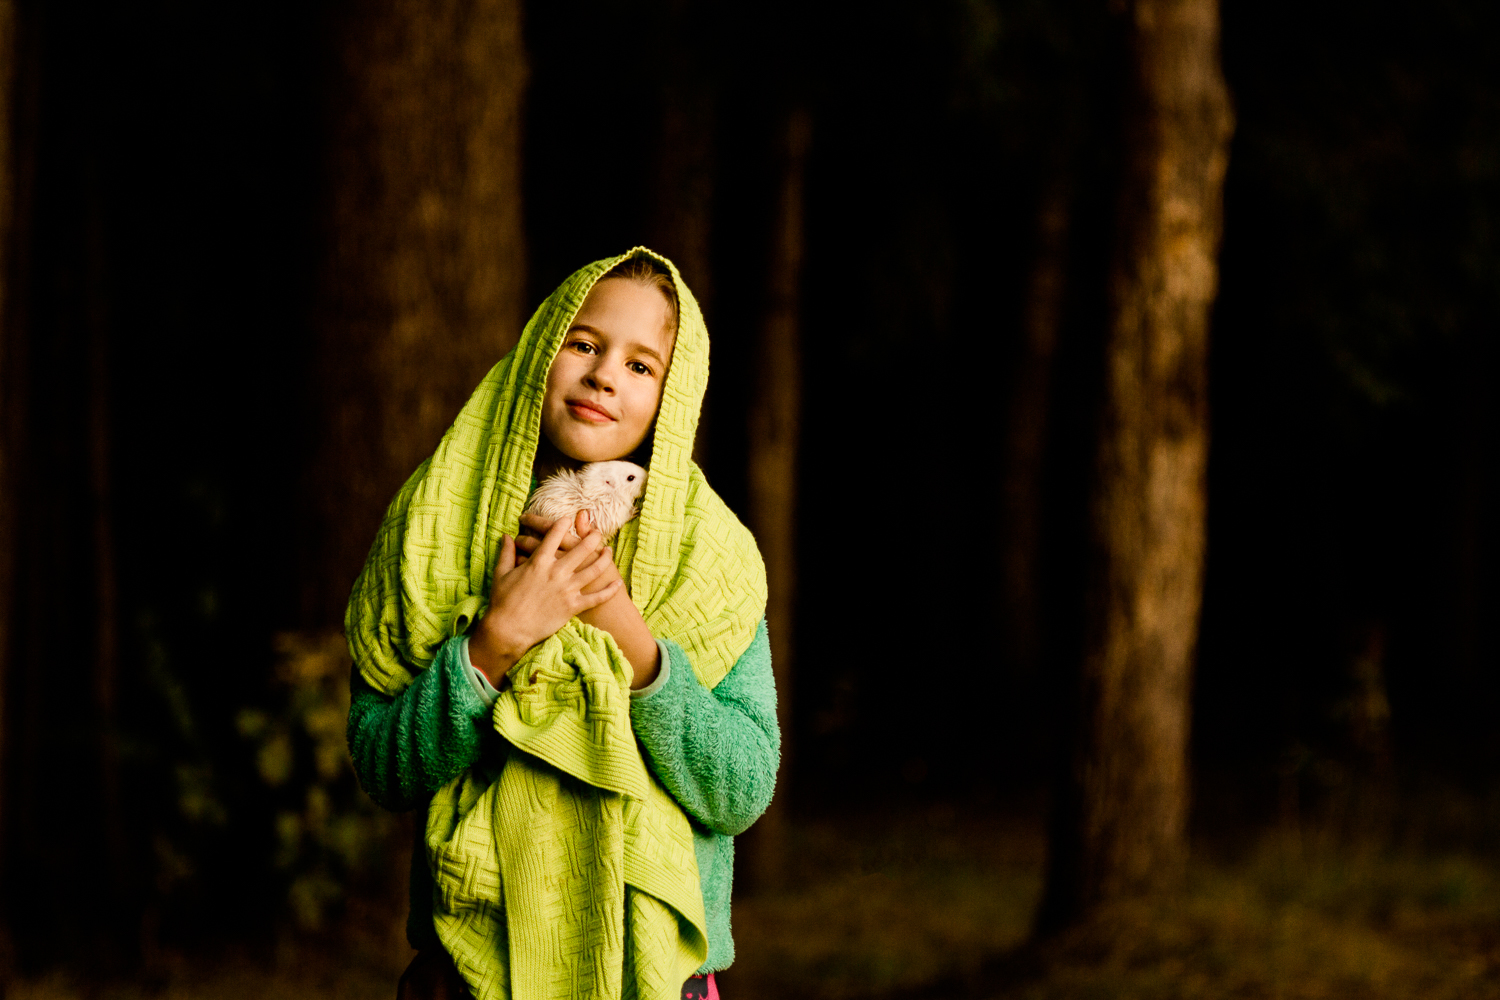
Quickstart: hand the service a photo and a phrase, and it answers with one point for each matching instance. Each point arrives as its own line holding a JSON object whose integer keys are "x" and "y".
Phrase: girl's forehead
{"x": 631, "y": 310}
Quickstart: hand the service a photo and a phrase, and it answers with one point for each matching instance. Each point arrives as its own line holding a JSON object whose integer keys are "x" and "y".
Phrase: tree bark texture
{"x": 1124, "y": 806}
{"x": 775, "y": 429}
{"x": 424, "y": 280}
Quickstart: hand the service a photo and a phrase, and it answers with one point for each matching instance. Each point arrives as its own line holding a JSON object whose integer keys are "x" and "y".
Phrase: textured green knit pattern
{"x": 573, "y": 863}
{"x": 404, "y": 748}
{"x": 715, "y": 751}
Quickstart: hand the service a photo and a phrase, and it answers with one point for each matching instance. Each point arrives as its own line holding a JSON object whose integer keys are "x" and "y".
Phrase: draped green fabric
{"x": 567, "y": 871}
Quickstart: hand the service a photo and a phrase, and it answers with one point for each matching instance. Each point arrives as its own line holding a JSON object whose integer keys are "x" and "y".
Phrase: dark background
{"x": 171, "y": 172}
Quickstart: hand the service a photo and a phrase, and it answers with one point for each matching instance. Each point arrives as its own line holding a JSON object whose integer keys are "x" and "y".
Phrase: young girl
{"x": 586, "y": 729}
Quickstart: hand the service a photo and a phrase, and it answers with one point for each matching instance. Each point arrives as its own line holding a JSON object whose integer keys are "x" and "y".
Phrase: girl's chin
{"x": 580, "y": 449}
{"x": 582, "y": 456}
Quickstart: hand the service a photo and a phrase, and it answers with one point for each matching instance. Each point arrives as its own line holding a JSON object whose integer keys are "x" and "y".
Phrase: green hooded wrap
{"x": 568, "y": 871}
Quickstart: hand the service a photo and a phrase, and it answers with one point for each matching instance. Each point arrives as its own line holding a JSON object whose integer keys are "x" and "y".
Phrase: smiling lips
{"x": 585, "y": 410}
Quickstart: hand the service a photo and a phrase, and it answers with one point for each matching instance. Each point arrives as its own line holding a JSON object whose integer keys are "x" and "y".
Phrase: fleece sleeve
{"x": 406, "y": 747}
{"x": 716, "y": 751}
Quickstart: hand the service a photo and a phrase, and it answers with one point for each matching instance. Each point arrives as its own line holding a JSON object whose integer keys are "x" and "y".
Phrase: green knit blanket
{"x": 567, "y": 871}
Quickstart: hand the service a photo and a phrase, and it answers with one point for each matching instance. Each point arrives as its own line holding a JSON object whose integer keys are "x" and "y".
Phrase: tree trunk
{"x": 682, "y": 203}
{"x": 1031, "y": 397}
{"x": 1473, "y": 542}
{"x": 115, "y": 862}
{"x": 423, "y": 285}
{"x": 59, "y": 504}
{"x": 775, "y": 424}
{"x": 1122, "y": 812}
{"x": 9, "y": 433}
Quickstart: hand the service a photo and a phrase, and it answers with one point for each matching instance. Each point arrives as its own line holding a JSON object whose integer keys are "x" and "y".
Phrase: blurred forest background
{"x": 257, "y": 254}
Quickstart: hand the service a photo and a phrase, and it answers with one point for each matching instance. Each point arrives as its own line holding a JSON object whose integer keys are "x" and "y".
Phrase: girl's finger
{"x": 528, "y": 543}
{"x": 551, "y": 539}
{"x": 599, "y": 568}
{"x": 591, "y": 572}
{"x": 587, "y": 601}
{"x": 586, "y": 551}
{"x": 538, "y": 524}
{"x": 582, "y": 522}
{"x": 507, "y": 560}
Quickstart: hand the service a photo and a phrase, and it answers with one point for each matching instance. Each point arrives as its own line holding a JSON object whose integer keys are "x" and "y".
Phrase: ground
{"x": 937, "y": 903}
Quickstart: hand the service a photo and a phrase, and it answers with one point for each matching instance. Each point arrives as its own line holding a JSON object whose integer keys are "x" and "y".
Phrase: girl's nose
{"x": 600, "y": 377}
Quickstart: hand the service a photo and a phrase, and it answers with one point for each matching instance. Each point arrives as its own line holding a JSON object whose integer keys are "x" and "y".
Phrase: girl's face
{"x": 605, "y": 383}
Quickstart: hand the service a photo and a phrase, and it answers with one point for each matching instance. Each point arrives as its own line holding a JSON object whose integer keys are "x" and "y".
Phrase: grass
{"x": 938, "y": 904}
{"x": 878, "y": 906}
{"x": 943, "y": 908}
{"x": 1288, "y": 923}
{"x": 226, "y": 979}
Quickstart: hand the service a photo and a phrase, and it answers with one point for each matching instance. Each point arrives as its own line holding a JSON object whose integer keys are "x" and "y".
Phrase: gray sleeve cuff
{"x": 482, "y": 686}
{"x": 662, "y": 673}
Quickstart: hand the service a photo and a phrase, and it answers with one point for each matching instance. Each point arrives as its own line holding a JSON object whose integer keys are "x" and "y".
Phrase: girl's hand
{"x": 536, "y": 527}
{"x": 617, "y": 614}
{"x": 532, "y": 601}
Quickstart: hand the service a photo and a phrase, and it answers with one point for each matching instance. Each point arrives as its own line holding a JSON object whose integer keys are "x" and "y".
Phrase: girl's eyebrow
{"x": 643, "y": 349}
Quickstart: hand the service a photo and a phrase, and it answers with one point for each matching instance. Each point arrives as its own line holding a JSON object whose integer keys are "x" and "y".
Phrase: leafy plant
{"x": 329, "y": 836}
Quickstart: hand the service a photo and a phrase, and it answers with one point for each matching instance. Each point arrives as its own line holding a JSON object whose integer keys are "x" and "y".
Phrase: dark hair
{"x": 647, "y": 271}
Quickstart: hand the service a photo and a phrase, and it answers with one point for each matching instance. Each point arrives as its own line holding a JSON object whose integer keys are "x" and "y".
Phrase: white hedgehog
{"x": 607, "y": 490}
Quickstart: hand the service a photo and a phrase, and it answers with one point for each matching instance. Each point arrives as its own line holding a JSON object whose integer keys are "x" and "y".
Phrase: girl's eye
{"x": 638, "y": 368}
{"x": 583, "y": 347}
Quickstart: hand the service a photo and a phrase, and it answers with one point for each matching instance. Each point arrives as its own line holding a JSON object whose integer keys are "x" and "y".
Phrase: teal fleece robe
{"x": 716, "y": 751}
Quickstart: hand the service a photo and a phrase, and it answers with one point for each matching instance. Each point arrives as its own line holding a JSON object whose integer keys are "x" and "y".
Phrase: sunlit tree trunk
{"x": 775, "y": 426}
{"x": 1122, "y": 822}
{"x": 424, "y": 277}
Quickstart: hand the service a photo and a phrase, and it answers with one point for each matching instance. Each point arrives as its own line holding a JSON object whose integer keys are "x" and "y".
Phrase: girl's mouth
{"x": 589, "y": 412}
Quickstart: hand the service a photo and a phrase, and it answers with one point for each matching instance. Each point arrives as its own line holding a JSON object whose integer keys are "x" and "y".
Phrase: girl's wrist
{"x": 647, "y": 671}
{"x": 493, "y": 655}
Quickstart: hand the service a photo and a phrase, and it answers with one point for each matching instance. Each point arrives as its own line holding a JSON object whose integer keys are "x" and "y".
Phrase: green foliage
{"x": 329, "y": 837}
